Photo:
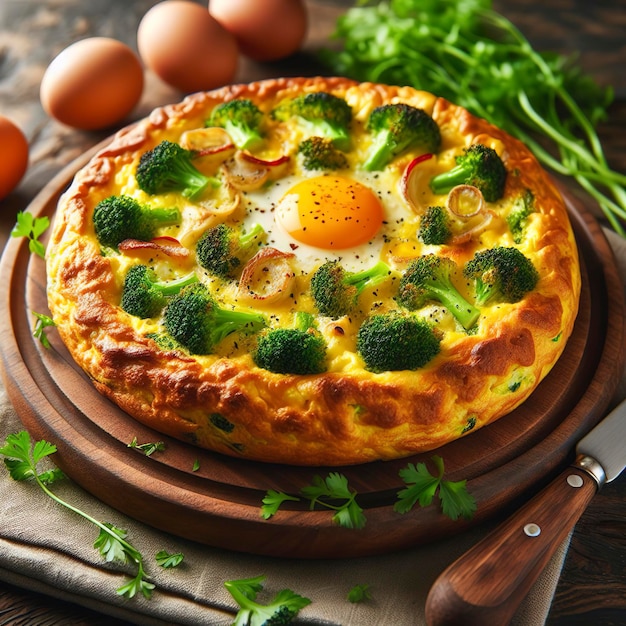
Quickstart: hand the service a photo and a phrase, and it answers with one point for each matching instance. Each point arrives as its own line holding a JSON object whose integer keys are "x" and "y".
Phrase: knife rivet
{"x": 532, "y": 530}
{"x": 574, "y": 480}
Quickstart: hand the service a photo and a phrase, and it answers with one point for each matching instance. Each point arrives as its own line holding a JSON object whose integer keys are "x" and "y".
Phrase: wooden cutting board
{"x": 219, "y": 503}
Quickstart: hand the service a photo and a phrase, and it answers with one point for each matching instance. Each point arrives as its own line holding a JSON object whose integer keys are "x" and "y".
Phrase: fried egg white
{"x": 318, "y": 217}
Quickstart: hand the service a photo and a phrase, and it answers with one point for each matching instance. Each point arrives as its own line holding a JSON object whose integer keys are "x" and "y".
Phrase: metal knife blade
{"x": 487, "y": 584}
{"x": 606, "y": 443}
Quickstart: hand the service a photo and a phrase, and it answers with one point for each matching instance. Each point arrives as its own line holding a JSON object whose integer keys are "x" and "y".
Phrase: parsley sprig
{"x": 32, "y": 228}
{"x": 332, "y": 492}
{"x": 148, "y": 448}
{"x": 280, "y": 610}
{"x": 422, "y": 486}
{"x": 22, "y": 458}
{"x": 39, "y": 331}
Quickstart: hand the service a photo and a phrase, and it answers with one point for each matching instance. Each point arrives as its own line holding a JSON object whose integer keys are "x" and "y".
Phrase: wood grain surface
{"x": 592, "y": 590}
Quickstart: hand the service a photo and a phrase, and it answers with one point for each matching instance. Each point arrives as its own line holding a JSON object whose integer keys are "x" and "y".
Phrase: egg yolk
{"x": 330, "y": 212}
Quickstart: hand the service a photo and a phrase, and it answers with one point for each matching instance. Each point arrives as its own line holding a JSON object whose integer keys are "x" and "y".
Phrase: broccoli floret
{"x": 320, "y": 153}
{"x": 298, "y": 350}
{"x": 241, "y": 119}
{"x": 434, "y": 228}
{"x": 169, "y": 167}
{"x": 517, "y": 219}
{"x": 280, "y": 611}
{"x": 397, "y": 128}
{"x": 478, "y": 166}
{"x": 221, "y": 251}
{"x": 324, "y": 114}
{"x": 429, "y": 278}
{"x": 335, "y": 290}
{"x": 195, "y": 320}
{"x": 144, "y": 295}
{"x": 117, "y": 218}
{"x": 501, "y": 274}
{"x": 396, "y": 341}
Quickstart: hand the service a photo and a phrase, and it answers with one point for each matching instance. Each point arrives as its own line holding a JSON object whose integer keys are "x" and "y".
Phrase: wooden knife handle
{"x": 487, "y": 584}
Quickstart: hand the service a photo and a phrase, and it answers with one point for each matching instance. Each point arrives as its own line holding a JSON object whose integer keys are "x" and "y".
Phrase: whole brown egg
{"x": 186, "y": 47}
{"x": 266, "y": 30}
{"x": 92, "y": 84}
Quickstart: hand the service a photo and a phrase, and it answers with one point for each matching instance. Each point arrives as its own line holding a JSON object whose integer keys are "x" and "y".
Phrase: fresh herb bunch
{"x": 468, "y": 53}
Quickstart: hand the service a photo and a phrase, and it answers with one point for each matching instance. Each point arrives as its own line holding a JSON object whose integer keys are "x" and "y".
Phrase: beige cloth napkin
{"x": 46, "y": 548}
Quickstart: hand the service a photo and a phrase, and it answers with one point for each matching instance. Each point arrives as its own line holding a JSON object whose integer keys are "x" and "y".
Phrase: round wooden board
{"x": 219, "y": 504}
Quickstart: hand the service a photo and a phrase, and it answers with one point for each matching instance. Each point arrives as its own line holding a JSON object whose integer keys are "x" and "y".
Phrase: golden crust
{"x": 344, "y": 416}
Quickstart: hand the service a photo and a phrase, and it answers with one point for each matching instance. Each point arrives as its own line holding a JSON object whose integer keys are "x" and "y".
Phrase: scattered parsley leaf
{"x": 332, "y": 493}
{"x": 147, "y": 448}
{"x": 359, "y": 593}
{"x": 272, "y": 501}
{"x": 167, "y": 560}
{"x": 422, "y": 486}
{"x": 455, "y": 500}
{"x": 196, "y": 466}
{"x": 135, "y": 585}
{"x": 32, "y": 228}
{"x": 21, "y": 460}
{"x": 281, "y": 609}
{"x": 43, "y": 321}
{"x": 335, "y": 487}
{"x": 109, "y": 545}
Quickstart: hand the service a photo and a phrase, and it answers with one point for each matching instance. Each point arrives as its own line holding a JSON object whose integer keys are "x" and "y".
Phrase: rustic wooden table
{"x": 592, "y": 589}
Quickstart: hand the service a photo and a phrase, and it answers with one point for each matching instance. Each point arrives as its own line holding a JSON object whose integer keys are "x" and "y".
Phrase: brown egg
{"x": 265, "y": 30}
{"x": 13, "y": 156}
{"x": 94, "y": 83}
{"x": 186, "y": 47}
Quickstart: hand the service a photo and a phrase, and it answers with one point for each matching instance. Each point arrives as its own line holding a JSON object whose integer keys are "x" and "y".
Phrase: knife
{"x": 487, "y": 584}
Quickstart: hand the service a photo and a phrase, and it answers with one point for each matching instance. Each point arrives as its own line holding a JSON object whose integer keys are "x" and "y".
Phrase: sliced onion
{"x": 472, "y": 228}
{"x": 267, "y": 277}
{"x": 465, "y": 201}
{"x": 168, "y": 245}
{"x": 207, "y": 213}
{"x": 208, "y": 141}
{"x": 244, "y": 174}
{"x": 413, "y": 180}
{"x": 282, "y": 160}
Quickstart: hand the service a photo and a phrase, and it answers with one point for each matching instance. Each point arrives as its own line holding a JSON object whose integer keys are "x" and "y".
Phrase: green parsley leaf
{"x": 32, "y": 228}
{"x": 43, "y": 321}
{"x": 348, "y": 513}
{"x": 284, "y": 606}
{"x": 422, "y": 486}
{"x": 135, "y": 585}
{"x": 455, "y": 500}
{"x": 272, "y": 501}
{"x": 332, "y": 493}
{"x": 359, "y": 593}
{"x": 167, "y": 560}
{"x": 147, "y": 448}
{"x": 109, "y": 545}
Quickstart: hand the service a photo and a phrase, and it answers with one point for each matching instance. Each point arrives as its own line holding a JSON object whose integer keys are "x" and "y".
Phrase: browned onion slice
{"x": 208, "y": 141}
{"x": 244, "y": 174}
{"x": 168, "y": 245}
{"x": 267, "y": 277}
